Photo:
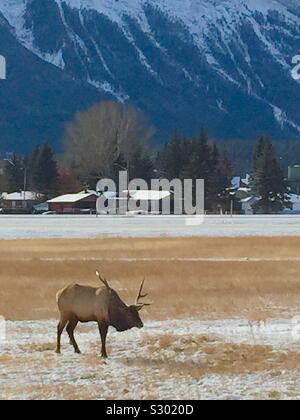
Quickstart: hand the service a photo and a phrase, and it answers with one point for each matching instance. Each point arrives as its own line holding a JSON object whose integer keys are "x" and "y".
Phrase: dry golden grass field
{"x": 204, "y": 335}
{"x": 203, "y": 278}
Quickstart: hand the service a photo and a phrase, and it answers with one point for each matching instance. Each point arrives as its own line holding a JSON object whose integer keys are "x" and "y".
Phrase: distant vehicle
{"x": 40, "y": 208}
{"x": 49, "y": 213}
{"x": 137, "y": 213}
{"x": 88, "y": 211}
{"x": 103, "y": 213}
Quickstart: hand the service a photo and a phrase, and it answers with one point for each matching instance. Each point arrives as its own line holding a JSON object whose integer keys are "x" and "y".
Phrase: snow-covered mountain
{"x": 223, "y": 64}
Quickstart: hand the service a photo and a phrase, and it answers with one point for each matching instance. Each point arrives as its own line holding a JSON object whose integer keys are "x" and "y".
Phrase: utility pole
{"x": 127, "y": 169}
{"x": 25, "y": 184}
{"x": 9, "y": 160}
{"x": 231, "y": 207}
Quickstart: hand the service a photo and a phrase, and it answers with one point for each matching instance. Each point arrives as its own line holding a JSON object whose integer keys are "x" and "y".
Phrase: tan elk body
{"x": 102, "y": 305}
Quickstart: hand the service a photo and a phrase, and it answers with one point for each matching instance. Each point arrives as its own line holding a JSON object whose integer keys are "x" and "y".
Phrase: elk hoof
{"x": 78, "y": 351}
{"x": 58, "y": 351}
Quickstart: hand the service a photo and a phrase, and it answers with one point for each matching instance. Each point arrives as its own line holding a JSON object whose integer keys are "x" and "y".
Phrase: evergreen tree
{"x": 13, "y": 177}
{"x": 220, "y": 194}
{"x": 217, "y": 181}
{"x": 199, "y": 159}
{"x": 2, "y": 183}
{"x": 175, "y": 156}
{"x": 33, "y": 164}
{"x": 268, "y": 180}
{"x": 203, "y": 164}
{"x": 44, "y": 172}
{"x": 258, "y": 152}
{"x": 226, "y": 194}
{"x": 142, "y": 166}
{"x": 120, "y": 164}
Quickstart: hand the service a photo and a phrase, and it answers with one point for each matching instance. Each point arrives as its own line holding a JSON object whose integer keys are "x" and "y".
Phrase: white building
{"x": 21, "y": 201}
{"x": 248, "y": 203}
{"x": 144, "y": 202}
{"x": 295, "y": 200}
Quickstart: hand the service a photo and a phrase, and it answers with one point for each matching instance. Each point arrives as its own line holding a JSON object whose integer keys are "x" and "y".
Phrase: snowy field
{"x": 228, "y": 359}
{"x": 23, "y": 227}
{"x": 198, "y": 342}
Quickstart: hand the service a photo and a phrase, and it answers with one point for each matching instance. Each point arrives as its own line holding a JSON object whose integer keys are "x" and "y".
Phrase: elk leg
{"x": 103, "y": 328}
{"x": 70, "y": 330}
{"x": 60, "y": 329}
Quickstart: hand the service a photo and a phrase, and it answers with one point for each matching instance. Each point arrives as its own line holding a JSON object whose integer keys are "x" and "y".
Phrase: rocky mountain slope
{"x": 222, "y": 64}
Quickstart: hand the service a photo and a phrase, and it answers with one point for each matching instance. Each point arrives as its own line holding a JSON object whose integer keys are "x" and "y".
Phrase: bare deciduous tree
{"x": 98, "y": 136}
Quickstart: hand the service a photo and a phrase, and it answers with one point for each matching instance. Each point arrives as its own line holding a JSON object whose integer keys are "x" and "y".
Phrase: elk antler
{"x": 139, "y": 304}
{"x": 103, "y": 279}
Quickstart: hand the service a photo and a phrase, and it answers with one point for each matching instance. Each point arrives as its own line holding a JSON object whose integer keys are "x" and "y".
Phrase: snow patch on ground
{"x": 168, "y": 360}
{"x": 29, "y": 227}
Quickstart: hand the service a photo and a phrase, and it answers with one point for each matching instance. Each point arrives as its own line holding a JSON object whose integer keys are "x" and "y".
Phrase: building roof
{"x": 245, "y": 190}
{"x": 41, "y": 207}
{"x": 71, "y": 198}
{"x": 294, "y": 198}
{"x": 21, "y": 196}
{"x": 236, "y": 182}
{"x": 139, "y": 195}
{"x": 148, "y": 195}
{"x": 110, "y": 195}
{"x": 250, "y": 199}
{"x": 246, "y": 180}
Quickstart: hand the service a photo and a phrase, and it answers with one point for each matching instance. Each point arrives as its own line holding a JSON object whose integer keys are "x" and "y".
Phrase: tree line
{"x": 37, "y": 172}
{"x": 267, "y": 179}
{"x": 111, "y": 137}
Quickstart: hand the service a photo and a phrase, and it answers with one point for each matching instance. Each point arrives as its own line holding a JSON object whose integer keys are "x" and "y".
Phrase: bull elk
{"x": 102, "y": 305}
